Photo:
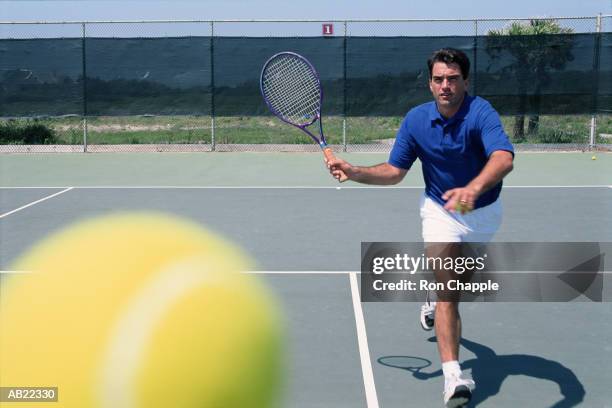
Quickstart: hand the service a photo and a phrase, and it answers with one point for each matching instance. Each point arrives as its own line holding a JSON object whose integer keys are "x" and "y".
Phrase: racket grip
{"x": 329, "y": 155}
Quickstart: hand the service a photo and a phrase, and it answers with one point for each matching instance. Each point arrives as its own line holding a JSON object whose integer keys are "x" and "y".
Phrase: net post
{"x": 592, "y": 132}
{"x": 344, "y": 90}
{"x": 344, "y": 134}
{"x": 593, "y": 126}
{"x": 474, "y": 74}
{"x": 84, "y": 69}
{"x": 212, "y": 86}
{"x": 598, "y": 23}
{"x": 84, "y": 134}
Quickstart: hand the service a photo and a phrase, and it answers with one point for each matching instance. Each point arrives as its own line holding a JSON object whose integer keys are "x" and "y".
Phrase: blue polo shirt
{"x": 452, "y": 151}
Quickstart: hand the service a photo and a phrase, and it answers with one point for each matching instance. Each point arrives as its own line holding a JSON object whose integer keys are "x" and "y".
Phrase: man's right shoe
{"x": 457, "y": 391}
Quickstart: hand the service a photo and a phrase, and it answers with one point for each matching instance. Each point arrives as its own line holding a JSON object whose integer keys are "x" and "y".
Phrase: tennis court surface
{"x": 305, "y": 234}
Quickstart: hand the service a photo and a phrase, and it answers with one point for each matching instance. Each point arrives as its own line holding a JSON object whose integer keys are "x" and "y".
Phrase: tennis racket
{"x": 292, "y": 90}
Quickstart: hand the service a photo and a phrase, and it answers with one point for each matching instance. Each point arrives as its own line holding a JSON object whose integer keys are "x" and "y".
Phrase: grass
{"x": 267, "y": 129}
{"x": 563, "y": 129}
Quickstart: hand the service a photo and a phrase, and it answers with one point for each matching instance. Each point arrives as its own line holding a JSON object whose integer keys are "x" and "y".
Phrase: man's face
{"x": 447, "y": 85}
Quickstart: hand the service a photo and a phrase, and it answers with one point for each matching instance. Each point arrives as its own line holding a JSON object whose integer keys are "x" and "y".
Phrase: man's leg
{"x": 441, "y": 226}
{"x": 448, "y": 330}
{"x": 447, "y": 318}
{"x": 457, "y": 388}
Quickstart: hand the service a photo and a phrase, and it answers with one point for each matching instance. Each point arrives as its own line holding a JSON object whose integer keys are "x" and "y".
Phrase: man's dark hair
{"x": 450, "y": 56}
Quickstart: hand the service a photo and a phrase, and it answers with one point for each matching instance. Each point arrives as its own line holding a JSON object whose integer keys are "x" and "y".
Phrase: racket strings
{"x": 292, "y": 89}
{"x": 293, "y": 74}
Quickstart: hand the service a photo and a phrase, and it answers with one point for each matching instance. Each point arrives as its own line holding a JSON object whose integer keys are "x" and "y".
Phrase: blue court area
{"x": 305, "y": 234}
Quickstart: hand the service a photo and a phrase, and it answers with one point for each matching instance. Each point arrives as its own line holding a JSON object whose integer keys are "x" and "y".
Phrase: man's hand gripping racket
{"x": 292, "y": 90}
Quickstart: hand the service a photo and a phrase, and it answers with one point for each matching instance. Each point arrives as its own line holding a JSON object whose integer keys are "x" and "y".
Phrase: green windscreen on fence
{"x": 238, "y": 63}
{"x": 361, "y": 76}
{"x": 41, "y": 77}
{"x": 604, "y": 82}
{"x": 538, "y": 73}
{"x": 135, "y": 76}
{"x": 387, "y": 76}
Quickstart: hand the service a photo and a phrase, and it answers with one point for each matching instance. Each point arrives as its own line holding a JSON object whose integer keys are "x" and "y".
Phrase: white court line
{"x": 283, "y": 187}
{"x": 559, "y": 186}
{"x": 35, "y": 202}
{"x": 364, "y": 352}
{"x": 299, "y": 272}
{"x": 347, "y": 272}
{"x": 253, "y": 272}
{"x": 501, "y": 273}
{"x": 14, "y": 272}
{"x": 107, "y": 187}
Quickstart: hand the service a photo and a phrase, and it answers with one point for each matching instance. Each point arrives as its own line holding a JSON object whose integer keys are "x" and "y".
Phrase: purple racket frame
{"x": 321, "y": 142}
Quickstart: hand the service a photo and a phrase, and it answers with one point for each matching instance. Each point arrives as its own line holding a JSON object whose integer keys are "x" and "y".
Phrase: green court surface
{"x": 305, "y": 234}
{"x": 261, "y": 169}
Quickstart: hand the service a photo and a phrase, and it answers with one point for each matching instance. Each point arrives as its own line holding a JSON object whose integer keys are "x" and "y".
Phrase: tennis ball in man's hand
{"x": 139, "y": 310}
{"x": 462, "y": 207}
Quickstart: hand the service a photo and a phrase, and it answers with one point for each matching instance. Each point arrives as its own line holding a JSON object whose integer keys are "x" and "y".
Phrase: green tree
{"x": 536, "y": 47}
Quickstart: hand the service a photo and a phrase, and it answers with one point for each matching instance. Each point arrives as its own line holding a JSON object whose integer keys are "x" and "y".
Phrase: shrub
{"x": 557, "y": 136}
{"x": 27, "y": 132}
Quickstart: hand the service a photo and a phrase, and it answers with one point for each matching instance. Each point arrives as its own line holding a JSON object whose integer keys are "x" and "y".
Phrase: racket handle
{"x": 329, "y": 155}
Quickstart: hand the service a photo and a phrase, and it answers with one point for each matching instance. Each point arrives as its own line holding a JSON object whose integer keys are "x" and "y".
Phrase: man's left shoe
{"x": 428, "y": 311}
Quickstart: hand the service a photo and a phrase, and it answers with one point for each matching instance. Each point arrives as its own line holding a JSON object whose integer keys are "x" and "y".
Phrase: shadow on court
{"x": 489, "y": 371}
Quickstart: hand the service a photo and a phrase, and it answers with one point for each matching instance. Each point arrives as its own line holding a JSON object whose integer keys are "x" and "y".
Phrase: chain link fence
{"x": 192, "y": 85}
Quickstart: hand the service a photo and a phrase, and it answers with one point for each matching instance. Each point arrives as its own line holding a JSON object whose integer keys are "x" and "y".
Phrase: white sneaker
{"x": 458, "y": 391}
{"x": 428, "y": 311}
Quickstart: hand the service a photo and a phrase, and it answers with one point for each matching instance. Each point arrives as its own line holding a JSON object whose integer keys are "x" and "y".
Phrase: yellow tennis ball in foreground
{"x": 139, "y": 310}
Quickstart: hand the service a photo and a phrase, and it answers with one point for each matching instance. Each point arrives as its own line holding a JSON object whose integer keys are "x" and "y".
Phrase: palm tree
{"x": 535, "y": 51}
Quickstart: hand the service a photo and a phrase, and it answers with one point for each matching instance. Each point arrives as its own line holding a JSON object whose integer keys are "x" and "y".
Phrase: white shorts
{"x": 440, "y": 225}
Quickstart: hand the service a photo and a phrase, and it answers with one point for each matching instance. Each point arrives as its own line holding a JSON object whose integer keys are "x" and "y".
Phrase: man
{"x": 465, "y": 154}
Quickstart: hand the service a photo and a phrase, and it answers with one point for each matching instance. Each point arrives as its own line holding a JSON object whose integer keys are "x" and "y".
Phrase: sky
{"x": 87, "y": 10}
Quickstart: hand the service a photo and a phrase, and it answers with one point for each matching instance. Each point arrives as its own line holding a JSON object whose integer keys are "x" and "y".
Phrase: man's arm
{"x": 381, "y": 174}
{"x": 497, "y": 167}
